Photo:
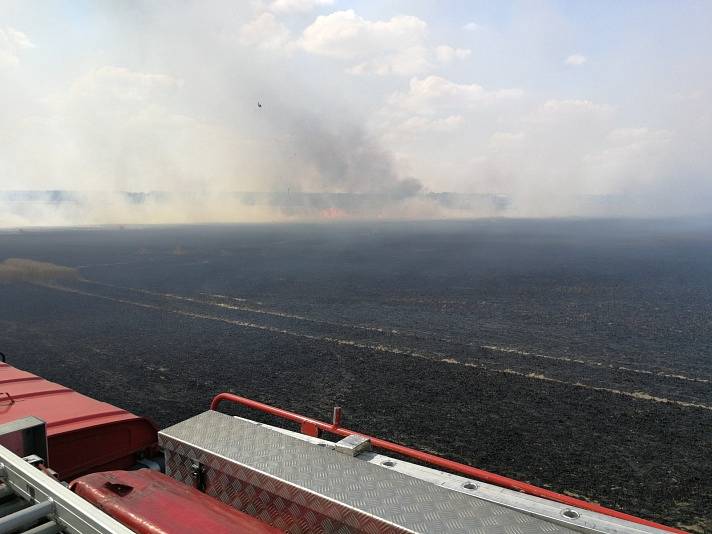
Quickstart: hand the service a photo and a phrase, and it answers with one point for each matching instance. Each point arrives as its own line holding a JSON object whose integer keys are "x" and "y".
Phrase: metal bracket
{"x": 26, "y": 437}
{"x": 34, "y": 460}
{"x": 353, "y": 445}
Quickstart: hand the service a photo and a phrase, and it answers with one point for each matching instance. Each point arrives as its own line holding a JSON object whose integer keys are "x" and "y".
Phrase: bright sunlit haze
{"x": 536, "y": 108}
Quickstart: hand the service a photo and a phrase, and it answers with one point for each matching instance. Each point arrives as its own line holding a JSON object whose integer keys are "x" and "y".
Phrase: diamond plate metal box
{"x": 301, "y": 487}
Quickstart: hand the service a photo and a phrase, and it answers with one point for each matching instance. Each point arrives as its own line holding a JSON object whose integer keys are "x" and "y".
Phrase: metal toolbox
{"x": 302, "y": 487}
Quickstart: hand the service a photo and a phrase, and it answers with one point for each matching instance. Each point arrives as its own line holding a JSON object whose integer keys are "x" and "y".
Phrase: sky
{"x": 546, "y": 102}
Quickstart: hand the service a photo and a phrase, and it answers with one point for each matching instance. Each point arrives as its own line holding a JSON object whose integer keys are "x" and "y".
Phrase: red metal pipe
{"x": 472, "y": 472}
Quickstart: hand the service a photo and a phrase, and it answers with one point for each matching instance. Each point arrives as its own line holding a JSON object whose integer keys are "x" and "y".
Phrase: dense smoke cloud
{"x": 343, "y": 158}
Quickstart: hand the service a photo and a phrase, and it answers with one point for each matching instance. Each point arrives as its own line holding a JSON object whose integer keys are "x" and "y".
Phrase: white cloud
{"x": 346, "y": 35}
{"x": 426, "y": 95}
{"x": 397, "y": 46}
{"x": 575, "y": 60}
{"x": 434, "y": 105}
{"x": 298, "y": 6}
{"x": 265, "y": 31}
{"x": 447, "y": 54}
{"x": 471, "y": 27}
{"x": 12, "y": 42}
{"x": 401, "y": 63}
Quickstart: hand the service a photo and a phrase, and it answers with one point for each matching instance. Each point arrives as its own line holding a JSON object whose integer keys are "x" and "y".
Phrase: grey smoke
{"x": 346, "y": 159}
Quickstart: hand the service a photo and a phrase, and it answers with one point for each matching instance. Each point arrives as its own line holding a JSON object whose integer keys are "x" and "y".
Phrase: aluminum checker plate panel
{"x": 301, "y": 487}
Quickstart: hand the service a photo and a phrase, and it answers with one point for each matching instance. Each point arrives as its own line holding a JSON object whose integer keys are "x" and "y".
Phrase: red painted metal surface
{"x": 149, "y": 502}
{"x": 83, "y": 434}
{"x": 311, "y": 426}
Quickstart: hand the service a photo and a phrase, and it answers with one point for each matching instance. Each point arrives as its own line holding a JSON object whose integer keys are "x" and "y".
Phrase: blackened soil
{"x": 573, "y": 355}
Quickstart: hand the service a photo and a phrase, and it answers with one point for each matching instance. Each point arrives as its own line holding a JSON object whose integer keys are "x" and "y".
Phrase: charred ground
{"x": 576, "y": 355}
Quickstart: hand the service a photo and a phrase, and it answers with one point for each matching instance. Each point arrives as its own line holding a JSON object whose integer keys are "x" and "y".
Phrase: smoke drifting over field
{"x": 114, "y": 130}
{"x": 387, "y": 105}
{"x": 24, "y": 270}
{"x": 397, "y": 200}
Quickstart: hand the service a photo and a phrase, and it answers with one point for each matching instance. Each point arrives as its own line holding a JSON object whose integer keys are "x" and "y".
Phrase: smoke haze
{"x": 561, "y": 113}
{"x": 24, "y": 270}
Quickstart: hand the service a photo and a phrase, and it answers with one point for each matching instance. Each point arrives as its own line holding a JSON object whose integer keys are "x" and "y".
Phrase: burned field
{"x": 573, "y": 355}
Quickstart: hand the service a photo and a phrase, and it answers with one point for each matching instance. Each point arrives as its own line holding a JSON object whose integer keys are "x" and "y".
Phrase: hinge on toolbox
{"x": 197, "y": 473}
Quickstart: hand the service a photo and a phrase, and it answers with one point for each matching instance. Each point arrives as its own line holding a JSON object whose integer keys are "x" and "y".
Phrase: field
{"x": 575, "y": 355}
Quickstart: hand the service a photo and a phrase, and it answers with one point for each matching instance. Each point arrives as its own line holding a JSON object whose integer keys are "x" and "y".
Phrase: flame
{"x": 333, "y": 213}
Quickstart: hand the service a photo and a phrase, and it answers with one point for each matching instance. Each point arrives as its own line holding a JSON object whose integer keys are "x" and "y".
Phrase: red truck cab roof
{"x": 83, "y": 435}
